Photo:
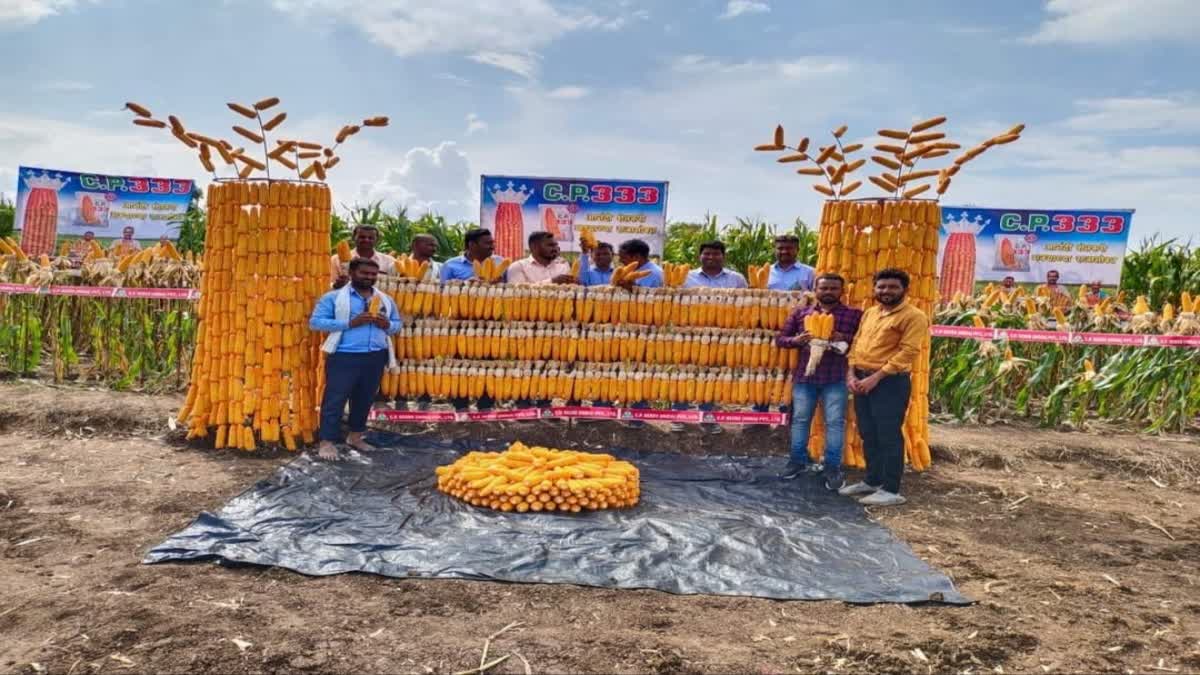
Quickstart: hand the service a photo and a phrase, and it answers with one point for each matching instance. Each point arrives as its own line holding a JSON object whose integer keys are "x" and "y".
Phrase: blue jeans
{"x": 833, "y": 404}
{"x": 354, "y": 378}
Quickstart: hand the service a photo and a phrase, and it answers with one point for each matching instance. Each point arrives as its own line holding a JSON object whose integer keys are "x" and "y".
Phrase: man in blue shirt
{"x": 636, "y": 250}
{"x": 595, "y": 267}
{"x": 787, "y": 274}
{"x": 357, "y": 351}
{"x": 480, "y": 246}
{"x": 712, "y": 272}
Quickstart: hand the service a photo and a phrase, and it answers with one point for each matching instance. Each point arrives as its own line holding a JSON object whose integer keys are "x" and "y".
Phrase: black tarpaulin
{"x": 708, "y": 525}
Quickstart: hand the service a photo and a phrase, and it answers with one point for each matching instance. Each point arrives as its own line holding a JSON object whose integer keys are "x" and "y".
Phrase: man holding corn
{"x": 480, "y": 246}
{"x": 1059, "y": 296}
{"x": 826, "y": 385}
{"x": 365, "y": 238}
{"x": 888, "y": 343}
{"x": 424, "y": 246}
{"x": 359, "y": 321}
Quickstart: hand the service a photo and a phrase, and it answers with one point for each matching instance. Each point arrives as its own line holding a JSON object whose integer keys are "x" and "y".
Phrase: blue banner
{"x": 513, "y": 207}
{"x": 1082, "y": 245}
{"x": 55, "y": 204}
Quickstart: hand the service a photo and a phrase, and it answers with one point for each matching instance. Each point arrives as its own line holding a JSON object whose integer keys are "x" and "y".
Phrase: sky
{"x": 643, "y": 89}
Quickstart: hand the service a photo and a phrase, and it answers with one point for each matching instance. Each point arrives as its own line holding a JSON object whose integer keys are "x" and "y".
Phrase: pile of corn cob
{"x": 541, "y": 341}
{"x": 715, "y": 307}
{"x": 256, "y": 370}
{"x": 538, "y": 479}
{"x": 574, "y": 381}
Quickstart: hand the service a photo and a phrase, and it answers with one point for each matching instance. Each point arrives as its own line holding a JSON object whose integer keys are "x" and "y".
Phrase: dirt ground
{"x": 1081, "y": 549}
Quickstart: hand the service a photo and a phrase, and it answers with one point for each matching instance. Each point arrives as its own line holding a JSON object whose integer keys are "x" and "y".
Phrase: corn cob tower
{"x": 257, "y": 367}
{"x": 860, "y": 237}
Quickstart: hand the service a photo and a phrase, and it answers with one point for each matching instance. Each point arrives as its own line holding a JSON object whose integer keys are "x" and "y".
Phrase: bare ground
{"x": 1080, "y": 548}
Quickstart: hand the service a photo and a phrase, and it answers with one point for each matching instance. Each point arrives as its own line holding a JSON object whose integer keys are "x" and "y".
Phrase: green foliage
{"x": 747, "y": 242}
{"x": 1161, "y": 270}
{"x": 397, "y": 229}
{"x": 192, "y": 225}
{"x": 7, "y": 216}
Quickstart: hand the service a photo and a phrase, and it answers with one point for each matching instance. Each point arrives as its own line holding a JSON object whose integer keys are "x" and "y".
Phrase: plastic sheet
{"x": 705, "y": 525}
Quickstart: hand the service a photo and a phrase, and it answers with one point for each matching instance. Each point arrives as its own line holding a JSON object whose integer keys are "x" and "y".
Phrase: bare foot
{"x": 327, "y": 451}
{"x": 359, "y": 444}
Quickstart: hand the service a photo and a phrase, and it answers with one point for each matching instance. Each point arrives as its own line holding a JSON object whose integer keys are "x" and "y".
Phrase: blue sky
{"x": 648, "y": 89}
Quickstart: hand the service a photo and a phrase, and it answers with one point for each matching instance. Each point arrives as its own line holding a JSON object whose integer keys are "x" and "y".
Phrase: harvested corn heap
{"x": 526, "y": 479}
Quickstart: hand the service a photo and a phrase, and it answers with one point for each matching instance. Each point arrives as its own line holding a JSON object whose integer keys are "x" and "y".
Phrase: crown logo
{"x": 510, "y": 196}
{"x": 964, "y": 224}
{"x": 44, "y": 181}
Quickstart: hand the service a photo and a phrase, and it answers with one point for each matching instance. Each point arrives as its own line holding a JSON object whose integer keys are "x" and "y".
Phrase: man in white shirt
{"x": 424, "y": 246}
{"x": 364, "y": 237}
{"x": 544, "y": 264}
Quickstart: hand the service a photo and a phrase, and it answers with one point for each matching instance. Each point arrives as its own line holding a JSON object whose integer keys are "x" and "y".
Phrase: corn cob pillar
{"x": 857, "y": 239}
{"x": 255, "y": 370}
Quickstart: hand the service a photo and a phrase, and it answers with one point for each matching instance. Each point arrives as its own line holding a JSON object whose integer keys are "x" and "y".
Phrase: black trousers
{"x": 880, "y": 418}
{"x": 352, "y": 377}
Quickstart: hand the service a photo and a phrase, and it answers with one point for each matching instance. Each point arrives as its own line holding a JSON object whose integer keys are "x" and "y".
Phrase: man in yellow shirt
{"x": 1059, "y": 296}
{"x": 888, "y": 342}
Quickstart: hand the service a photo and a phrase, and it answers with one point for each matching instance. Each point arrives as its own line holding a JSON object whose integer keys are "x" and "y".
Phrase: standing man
{"x": 1095, "y": 294}
{"x": 827, "y": 384}
{"x": 365, "y": 237}
{"x": 712, "y": 272}
{"x": 126, "y": 244}
{"x": 480, "y": 246}
{"x": 637, "y": 251}
{"x": 81, "y": 247}
{"x": 544, "y": 264}
{"x": 1009, "y": 284}
{"x": 357, "y": 350}
{"x": 889, "y": 341}
{"x": 424, "y": 246}
{"x": 1059, "y": 296}
{"x": 595, "y": 266}
{"x": 787, "y": 274}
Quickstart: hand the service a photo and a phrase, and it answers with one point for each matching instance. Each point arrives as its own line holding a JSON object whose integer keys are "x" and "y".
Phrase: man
{"x": 595, "y": 266}
{"x": 889, "y": 341}
{"x": 424, "y": 246}
{"x": 712, "y": 272}
{"x": 638, "y": 251}
{"x": 544, "y": 264}
{"x": 357, "y": 350}
{"x": 480, "y": 246}
{"x": 1009, "y": 284}
{"x": 82, "y": 246}
{"x": 826, "y": 385}
{"x": 126, "y": 244}
{"x": 787, "y": 274}
{"x": 364, "y": 237}
{"x": 1095, "y": 294}
{"x": 1059, "y": 296}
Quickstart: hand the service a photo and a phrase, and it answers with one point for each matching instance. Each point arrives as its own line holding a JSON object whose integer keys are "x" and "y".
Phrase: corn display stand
{"x": 537, "y": 479}
{"x": 257, "y": 370}
{"x": 518, "y": 342}
{"x": 860, "y": 237}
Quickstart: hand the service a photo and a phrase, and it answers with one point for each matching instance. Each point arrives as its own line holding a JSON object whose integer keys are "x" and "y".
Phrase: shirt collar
{"x": 718, "y": 275}
{"x": 533, "y": 261}
{"x": 886, "y": 311}
{"x": 781, "y": 268}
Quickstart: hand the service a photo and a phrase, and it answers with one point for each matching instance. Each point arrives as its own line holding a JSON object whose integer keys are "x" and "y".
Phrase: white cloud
{"x": 474, "y": 124}
{"x": 512, "y": 30}
{"x": 1103, "y": 22}
{"x": 1164, "y": 114}
{"x": 736, "y": 8}
{"x": 523, "y": 64}
{"x": 66, "y": 86}
{"x": 20, "y": 13}
{"x": 427, "y": 179}
{"x": 804, "y": 67}
{"x": 569, "y": 93}
{"x": 456, "y": 79}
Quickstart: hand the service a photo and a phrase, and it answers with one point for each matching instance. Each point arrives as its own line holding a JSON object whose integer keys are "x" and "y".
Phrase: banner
{"x": 513, "y": 207}
{"x": 53, "y": 204}
{"x": 1081, "y": 245}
